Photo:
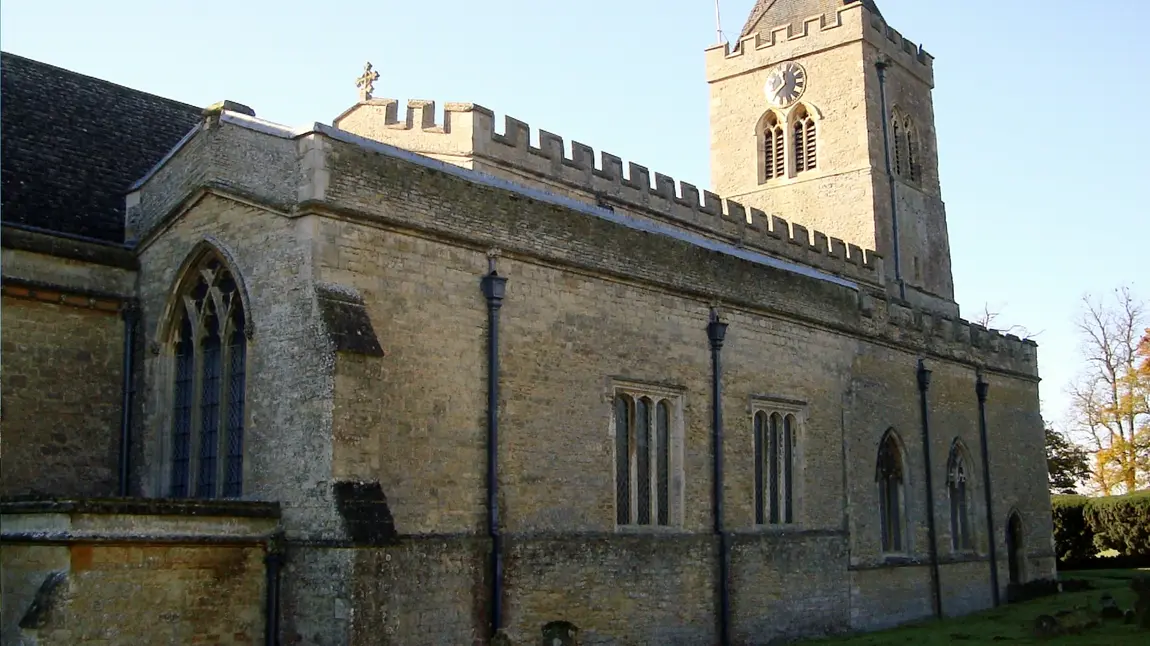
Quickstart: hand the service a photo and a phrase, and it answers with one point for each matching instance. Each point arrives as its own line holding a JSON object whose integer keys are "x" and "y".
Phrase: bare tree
{"x": 1109, "y": 400}
{"x": 987, "y": 318}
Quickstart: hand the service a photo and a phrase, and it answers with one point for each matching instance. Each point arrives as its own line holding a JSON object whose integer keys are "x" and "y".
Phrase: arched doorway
{"x": 1014, "y": 547}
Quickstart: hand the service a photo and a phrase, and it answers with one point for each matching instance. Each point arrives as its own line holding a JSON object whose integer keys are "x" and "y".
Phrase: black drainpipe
{"x": 273, "y": 562}
{"x": 494, "y": 286}
{"x": 131, "y": 315}
{"x": 716, "y": 332}
{"x": 980, "y": 389}
{"x": 923, "y": 386}
{"x": 881, "y": 66}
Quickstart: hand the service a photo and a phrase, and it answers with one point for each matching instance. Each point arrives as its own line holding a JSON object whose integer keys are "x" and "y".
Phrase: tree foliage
{"x": 1110, "y": 400}
{"x": 1066, "y": 462}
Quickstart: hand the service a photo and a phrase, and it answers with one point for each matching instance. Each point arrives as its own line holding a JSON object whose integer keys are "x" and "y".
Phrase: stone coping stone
{"x": 140, "y": 506}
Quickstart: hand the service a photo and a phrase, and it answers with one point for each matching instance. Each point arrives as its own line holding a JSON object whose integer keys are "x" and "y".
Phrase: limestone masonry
{"x": 411, "y": 378}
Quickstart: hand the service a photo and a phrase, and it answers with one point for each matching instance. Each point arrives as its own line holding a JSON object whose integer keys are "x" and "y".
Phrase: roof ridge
{"x": 89, "y": 77}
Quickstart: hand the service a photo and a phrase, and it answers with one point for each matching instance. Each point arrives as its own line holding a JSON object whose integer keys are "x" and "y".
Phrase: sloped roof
{"x": 72, "y": 144}
{"x": 771, "y": 14}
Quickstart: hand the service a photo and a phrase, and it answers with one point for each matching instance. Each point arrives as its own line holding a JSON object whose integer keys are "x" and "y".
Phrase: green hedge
{"x": 1073, "y": 537}
{"x": 1085, "y": 526}
{"x": 1121, "y": 523}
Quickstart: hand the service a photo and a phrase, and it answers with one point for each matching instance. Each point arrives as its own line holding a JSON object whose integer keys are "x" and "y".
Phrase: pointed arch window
{"x": 774, "y": 440}
{"x": 899, "y": 146}
{"x": 907, "y": 163}
{"x": 804, "y": 140}
{"x": 890, "y": 475}
{"x": 957, "y": 472}
{"x": 773, "y": 147}
{"x": 210, "y": 353}
{"x": 645, "y": 428}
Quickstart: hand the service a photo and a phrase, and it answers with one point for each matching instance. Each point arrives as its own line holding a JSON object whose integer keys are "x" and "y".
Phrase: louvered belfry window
{"x": 913, "y": 169}
{"x": 207, "y": 432}
{"x": 804, "y": 140}
{"x": 774, "y": 148}
{"x": 907, "y": 164}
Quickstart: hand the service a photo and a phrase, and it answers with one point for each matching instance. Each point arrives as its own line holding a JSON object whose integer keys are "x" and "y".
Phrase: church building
{"x": 421, "y": 377}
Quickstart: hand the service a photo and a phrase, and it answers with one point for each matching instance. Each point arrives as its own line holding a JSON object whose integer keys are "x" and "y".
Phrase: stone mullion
{"x": 222, "y": 408}
{"x": 652, "y": 465}
{"x": 196, "y": 428}
{"x": 633, "y": 461}
{"x": 226, "y": 327}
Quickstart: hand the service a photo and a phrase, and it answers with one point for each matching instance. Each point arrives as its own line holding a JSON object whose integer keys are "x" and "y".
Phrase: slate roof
{"x": 793, "y": 12}
{"x": 71, "y": 145}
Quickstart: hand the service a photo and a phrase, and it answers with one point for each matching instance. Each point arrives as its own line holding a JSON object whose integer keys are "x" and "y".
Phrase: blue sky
{"x": 1039, "y": 104}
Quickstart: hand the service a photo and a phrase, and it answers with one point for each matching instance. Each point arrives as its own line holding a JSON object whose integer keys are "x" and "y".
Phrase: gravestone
{"x": 560, "y": 633}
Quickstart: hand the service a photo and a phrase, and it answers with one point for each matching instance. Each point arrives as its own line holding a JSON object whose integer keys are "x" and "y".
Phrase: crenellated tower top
{"x": 803, "y": 125}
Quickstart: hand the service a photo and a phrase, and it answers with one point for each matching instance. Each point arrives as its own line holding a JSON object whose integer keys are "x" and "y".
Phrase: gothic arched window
{"x": 957, "y": 474}
{"x": 913, "y": 168}
{"x": 804, "y": 140}
{"x": 899, "y": 144}
{"x": 774, "y": 147}
{"x": 890, "y": 475}
{"x": 208, "y": 391}
{"x": 907, "y": 163}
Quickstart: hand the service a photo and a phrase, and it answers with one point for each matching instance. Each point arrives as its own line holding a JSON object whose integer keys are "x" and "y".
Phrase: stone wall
{"x": 290, "y": 363}
{"x": 61, "y": 384}
{"x": 122, "y": 572}
{"x": 63, "y": 340}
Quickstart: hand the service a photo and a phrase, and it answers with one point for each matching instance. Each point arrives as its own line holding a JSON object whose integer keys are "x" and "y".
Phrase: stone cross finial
{"x": 366, "y": 82}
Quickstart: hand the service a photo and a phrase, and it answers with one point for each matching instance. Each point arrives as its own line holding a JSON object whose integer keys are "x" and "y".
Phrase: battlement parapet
{"x": 815, "y": 33}
{"x": 849, "y": 23}
{"x": 948, "y": 336}
{"x": 467, "y": 137}
{"x": 892, "y": 43}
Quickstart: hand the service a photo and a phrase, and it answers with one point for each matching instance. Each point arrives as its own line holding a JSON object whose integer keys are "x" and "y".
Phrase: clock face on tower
{"x": 785, "y": 84}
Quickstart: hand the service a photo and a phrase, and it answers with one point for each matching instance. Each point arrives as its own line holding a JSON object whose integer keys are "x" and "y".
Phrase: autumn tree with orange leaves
{"x": 1110, "y": 399}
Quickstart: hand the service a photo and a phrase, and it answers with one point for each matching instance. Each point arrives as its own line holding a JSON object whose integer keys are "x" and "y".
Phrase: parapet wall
{"x": 467, "y": 137}
{"x": 227, "y": 148}
{"x": 948, "y": 336}
{"x": 851, "y": 23}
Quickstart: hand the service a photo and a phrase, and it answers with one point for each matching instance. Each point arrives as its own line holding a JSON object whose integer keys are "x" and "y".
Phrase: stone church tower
{"x": 822, "y": 114}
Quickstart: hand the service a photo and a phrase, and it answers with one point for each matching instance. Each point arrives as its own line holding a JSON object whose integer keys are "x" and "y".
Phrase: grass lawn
{"x": 1012, "y": 624}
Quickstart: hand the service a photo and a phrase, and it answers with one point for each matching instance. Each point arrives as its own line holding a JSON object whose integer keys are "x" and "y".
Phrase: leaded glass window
{"x": 775, "y": 435}
{"x": 957, "y": 487}
{"x": 644, "y": 429}
{"x": 210, "y": 356}
{"x": 890, "y": 477}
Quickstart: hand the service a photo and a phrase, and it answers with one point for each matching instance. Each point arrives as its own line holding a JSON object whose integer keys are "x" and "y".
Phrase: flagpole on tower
{"x": 718, "y": 25}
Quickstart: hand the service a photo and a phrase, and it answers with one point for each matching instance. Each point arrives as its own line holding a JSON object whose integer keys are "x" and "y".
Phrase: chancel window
{"x": 804, "y": 140}
{"x": 775, "y": 439}
{"x": 774, "y": 147}
{"x": 645, "y": 427}
{"x": 890, "y": 475}
{"x": 957, "y": 487}
{"x": 207, "y": 427}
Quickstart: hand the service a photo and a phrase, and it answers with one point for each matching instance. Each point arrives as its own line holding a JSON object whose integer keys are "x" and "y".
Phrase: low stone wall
{"x": 133, "y": 571}
{"x": 613, "y": 589}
